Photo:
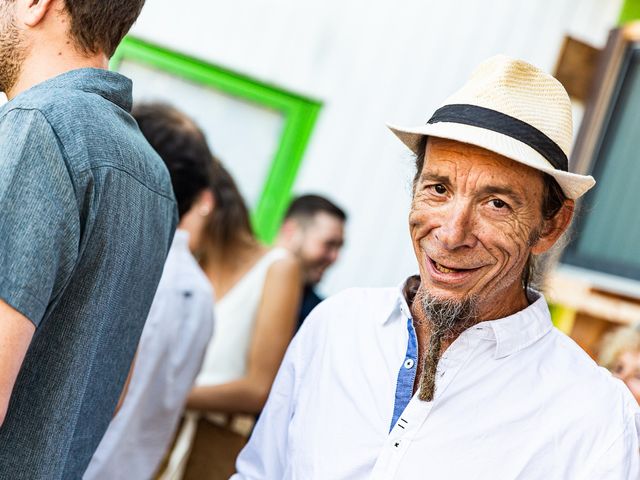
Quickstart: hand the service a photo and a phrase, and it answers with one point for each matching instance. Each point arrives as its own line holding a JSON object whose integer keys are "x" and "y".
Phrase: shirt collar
{"x": 111, "y": 86}
{"x": 522, "y": 329}
{"x": 511, "y": 334}
{"x": 181, "y": 239}
{"x": 400, "y": 307}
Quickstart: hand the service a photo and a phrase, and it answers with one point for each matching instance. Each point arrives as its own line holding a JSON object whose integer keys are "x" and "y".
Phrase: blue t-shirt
{"x": 87, "y": 215}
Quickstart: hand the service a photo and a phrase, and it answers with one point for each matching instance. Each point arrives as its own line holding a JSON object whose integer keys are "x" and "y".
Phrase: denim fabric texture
{"x": 87, "y": 215}
{"x": 406, "y": 375}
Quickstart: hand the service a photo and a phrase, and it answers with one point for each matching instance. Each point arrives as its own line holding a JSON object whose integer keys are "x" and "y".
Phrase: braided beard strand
{"x": 447, "y": 319}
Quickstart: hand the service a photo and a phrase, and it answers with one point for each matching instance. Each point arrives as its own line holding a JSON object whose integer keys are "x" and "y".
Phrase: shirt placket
{"x": 406, "y": 375}
{"x": 414, "y": 416}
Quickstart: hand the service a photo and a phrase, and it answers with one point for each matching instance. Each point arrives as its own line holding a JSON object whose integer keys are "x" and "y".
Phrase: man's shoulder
{"x": 54, "y": 103}
{"x": 93, "y": 134}
{"x": 71, "y": 113}
{"x": 357, "y": 297}
{"x": 182, "y": 273}
{"x": 581, "y": 382}
{"x": 567, "y": 354}
{"x": 18, "y": 117}
{"x": 185, "y": 296}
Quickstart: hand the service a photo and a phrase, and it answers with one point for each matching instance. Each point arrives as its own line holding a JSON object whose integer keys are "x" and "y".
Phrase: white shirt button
{"x": 408, "y": 363}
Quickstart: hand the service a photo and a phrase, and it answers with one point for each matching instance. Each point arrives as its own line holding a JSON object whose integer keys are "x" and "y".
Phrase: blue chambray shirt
{"x": 87, "y": 215}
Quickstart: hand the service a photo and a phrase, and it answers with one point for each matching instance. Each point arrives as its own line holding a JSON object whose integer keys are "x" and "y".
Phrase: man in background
{"x": 313, "y": 230}
{"x": 180, "y": 321}
{"x": 88, "y": 215}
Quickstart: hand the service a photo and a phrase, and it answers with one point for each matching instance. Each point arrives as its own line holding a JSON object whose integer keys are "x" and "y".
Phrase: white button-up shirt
{"x": 171, "y": 349}
{"x": 515, "y": 399}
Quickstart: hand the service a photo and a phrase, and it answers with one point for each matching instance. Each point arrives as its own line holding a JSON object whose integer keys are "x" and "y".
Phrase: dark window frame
{"x": 620, "y": 55}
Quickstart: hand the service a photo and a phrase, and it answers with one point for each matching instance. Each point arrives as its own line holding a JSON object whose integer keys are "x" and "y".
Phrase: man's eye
{"x": 497, "y": 203}
{"x": 440, "y": 189}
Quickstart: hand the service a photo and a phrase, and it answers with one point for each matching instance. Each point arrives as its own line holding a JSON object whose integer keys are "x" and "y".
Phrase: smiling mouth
{"x": 444, "y": 269}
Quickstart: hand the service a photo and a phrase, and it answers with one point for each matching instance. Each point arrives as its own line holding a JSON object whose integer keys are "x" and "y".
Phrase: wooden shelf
{"x": 592, "y": 312}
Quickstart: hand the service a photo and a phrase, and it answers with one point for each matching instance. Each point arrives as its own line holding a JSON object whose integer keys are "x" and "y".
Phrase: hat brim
{"x": 572, "y": 184}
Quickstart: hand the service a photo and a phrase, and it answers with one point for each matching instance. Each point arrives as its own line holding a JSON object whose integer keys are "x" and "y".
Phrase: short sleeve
{"x": 39, "y": 219}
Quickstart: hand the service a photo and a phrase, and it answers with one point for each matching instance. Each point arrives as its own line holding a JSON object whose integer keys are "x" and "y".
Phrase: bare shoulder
{"x": 283, "y": 268}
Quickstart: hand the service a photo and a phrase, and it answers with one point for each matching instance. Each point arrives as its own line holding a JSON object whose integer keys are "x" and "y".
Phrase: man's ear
{"x": 289, "y": 228}
{"x": 32, "y": 12}
{"x": 554, "y": 228}
{"x": 205, "y": 203}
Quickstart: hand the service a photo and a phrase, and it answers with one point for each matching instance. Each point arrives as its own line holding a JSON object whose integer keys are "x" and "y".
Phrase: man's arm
{"x": 16, "y": 332}
{"x": 621, "y": 460}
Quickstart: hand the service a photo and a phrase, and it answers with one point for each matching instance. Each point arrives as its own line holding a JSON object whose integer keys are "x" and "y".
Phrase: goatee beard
{"x": 447, "y": 319}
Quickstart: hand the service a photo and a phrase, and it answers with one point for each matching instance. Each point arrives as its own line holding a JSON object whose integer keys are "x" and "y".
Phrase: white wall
{"x": 369, "y": 62}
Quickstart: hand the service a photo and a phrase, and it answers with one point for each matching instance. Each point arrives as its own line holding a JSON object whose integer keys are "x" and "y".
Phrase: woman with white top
{"x": 257, "y": 292}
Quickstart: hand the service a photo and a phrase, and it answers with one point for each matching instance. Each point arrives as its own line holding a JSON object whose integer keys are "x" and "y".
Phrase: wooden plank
{"x": 588, "y": 331}
{"x": 576, "y": 67}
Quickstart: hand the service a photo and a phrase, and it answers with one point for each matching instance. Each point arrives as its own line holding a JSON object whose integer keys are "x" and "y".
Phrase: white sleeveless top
{"x": 228, "y": 349}
{"x": 235, "y": 313}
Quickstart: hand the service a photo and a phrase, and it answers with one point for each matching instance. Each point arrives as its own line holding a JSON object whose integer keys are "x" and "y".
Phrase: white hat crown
{"x": 512, "y": 108}
{"x": 520, "y": 90}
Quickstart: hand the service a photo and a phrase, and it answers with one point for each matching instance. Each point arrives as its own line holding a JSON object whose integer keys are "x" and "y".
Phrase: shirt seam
{"x": 97, "y": 167}
{"x": 165, "y": 195}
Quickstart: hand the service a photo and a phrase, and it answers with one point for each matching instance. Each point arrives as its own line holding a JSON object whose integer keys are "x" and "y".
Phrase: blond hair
{"x": 616, "y": 342}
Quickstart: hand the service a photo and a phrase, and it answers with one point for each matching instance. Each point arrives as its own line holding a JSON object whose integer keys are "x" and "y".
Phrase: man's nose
{"x": 456, "y": 229}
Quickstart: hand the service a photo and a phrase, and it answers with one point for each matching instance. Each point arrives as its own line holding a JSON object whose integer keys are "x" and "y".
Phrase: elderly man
{"x": 459, "y": 374}
{"x": 313, "y": 230}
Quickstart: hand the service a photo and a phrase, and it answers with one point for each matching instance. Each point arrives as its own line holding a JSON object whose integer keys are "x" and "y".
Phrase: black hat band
{"x": 501, "y": 123}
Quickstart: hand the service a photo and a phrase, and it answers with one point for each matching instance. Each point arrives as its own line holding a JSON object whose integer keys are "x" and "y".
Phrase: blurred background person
{"x": 180, "y": 321}
{"x": 257, "y": 291}
{"x": 620, "y": 353}
{"x": 313, "y": 230}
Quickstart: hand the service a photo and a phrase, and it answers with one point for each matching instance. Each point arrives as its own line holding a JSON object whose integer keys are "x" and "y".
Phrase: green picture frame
{"x": 629, "y": 12}
{"x": 300, "y": 114}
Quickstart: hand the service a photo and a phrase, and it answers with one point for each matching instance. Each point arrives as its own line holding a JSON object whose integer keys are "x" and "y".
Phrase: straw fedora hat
{"x": 512, "y": 108}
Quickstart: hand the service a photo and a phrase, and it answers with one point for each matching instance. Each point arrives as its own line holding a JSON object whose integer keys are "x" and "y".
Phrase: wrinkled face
{"x": 474, "y": 218}
{"x": 12, "y": 49}
{"x": 319, "y": 245}
{"x": 627, "y": 369}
